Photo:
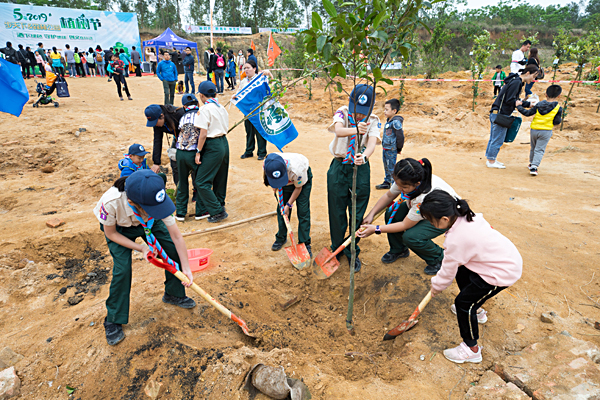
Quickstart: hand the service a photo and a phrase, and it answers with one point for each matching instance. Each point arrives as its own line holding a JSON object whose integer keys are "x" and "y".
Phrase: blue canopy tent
{"x": 13, "y": 89}
{"x": 168, "y": 39}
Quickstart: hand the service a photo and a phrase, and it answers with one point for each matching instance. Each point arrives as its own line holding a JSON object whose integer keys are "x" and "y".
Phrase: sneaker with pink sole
{"x": 481, "y": 314}
{"x": 462, "y": 353}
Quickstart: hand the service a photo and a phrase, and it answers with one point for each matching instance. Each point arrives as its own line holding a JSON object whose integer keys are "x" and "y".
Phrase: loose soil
{"x": 53, "y": 282}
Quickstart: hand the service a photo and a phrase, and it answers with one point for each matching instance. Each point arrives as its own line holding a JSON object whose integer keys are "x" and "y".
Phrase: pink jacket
{"x": 483, "y": 250}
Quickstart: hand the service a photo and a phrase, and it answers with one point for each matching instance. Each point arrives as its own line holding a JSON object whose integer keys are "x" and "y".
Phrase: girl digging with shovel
{"x": 138, "y": 206}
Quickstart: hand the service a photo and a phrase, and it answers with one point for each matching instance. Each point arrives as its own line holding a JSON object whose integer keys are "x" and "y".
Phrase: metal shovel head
{"x": 299, "y": 256}
{"x": 400, "y": 329}
{"x": 322, "y": 269}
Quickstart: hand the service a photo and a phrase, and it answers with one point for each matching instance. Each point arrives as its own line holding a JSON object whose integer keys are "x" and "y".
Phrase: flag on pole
{"x": 252, "y": 46}
{"x": 271, "y": 120}
{"x": 13, "y": 86}
{"x": 273, "y": 51}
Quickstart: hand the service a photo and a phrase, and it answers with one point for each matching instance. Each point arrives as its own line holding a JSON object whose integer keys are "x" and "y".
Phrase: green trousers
{"x": 339, "y": 200}
{"x": 211, "y": 176}
{"x": 261, "y": 143}
{"x": 418, "y": 238}
{"x": 302, "y": 206}
{"x": 117, "y": 304}
{"x": 186, "y": 164}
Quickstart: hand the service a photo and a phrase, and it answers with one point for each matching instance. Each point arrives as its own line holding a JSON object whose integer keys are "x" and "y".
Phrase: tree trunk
{"x": 569, "y": 98}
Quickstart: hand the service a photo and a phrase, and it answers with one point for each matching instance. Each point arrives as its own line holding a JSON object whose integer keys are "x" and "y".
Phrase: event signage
{"x": 238, "y": 30}
{"x": 53, "y": 26}
{"x": 281, "y": 30}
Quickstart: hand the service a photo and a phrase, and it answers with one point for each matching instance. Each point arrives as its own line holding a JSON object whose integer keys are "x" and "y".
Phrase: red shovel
{"x": 181, "y": 276}
{"x": 412, "y": 321}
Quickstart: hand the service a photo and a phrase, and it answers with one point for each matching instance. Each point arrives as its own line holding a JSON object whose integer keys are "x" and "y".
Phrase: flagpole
{"x": 212, "y": 6}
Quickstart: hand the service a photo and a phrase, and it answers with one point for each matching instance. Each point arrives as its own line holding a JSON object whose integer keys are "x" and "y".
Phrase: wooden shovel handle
{"x": 217, "y": 228}
{"x": 181, "y": 276}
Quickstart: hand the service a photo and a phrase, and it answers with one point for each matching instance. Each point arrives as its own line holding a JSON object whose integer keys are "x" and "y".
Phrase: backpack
{"x": 76, "y": 57}
{"x": 99, "y": 57}
{"x": 220, "y": 61}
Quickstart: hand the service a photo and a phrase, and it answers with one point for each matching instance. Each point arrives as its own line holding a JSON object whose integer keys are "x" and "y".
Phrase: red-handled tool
{"x": 181, "y": 276}
{"x": 412, "y": 321}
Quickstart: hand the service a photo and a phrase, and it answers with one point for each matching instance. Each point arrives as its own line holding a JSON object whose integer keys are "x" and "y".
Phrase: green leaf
{"x": 333, "y": 73}
{"x": 327, "y": 51}
{"x": 346, "y": 4}
{"x": 387, "y": 80}
{"x": 330, "y": 8}
{"x": 317, "y": 22}
{"x": 378, "y": 19}
{"x": 321, "y": 42}
{"x": 341, "y": 70}
{"x": 70, "y": 389}
{"x": 339, "y": 87}
{"x": 377, "y": 73}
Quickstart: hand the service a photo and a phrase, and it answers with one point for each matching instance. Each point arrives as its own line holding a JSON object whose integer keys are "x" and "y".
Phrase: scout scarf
{"x": 280, "y": 196}
{"x": 193, "y": 107}
{"x": 152, "y": 242}
{"x": 394, "y": 207}
{"x": 213, "y": 100}
{"x": 351, "y": 143}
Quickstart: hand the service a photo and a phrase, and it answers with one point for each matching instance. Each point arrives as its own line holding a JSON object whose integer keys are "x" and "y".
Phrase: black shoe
{"x": 278, "y": 245}
{"x": 183, "y": 302}
{"x": 357, "y": 264}
{"x": 309, "y": 249}
{"x": 219, "y": 217}
{"x": 114, "y": 333}
{"x": 433, "y": 269}
{"x": 246, "y": 156}
{"x": 390, "y": 257}
{"x": 202, "y": 216}
{"x": 260, "y": 158}
{"x": 383, "y": 186}
{"x": 180, "y": 218}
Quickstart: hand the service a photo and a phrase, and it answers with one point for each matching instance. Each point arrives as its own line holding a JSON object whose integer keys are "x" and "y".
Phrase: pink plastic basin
{"x": 199, "y": 258}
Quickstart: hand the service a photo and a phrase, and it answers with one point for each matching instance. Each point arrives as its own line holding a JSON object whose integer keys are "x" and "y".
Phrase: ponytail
{"x": 120, "y": 183}
{"x": 412, "y": 171}
{"x": 531, "y": 68}
{"x": 439, "y": 203}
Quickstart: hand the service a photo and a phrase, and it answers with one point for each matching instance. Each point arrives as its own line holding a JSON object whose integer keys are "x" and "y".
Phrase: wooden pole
{"x": 218, "y": 228}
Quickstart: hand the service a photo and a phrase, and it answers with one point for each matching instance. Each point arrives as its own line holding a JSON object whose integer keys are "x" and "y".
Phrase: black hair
{"x": 67, "y": 46}
{"x": 40, "y": 44}
{"x": 218, "y": 49}
{"x": 533, "y": 53}
{"x": 252, "y": 64}
{"x": 132, "y": 47}
{"x": 90, "y": 50}
{"x": 439, "y": 203}
{"x": 98, "y": 48}
{"x": 265, "y": 180}
{"x": 498, "y": 66}
{"x": 250, "y": 51}
{"x": 20, "y": 46}
{"x": 120, "y": 183}
{"x": 525, "y": 43}
{"x": 121, "y": 51}
{"x": 394, "y": 104}
{"x": 553, "y": 91}
{"x": 27, "y": 48}
{"x": 531, "y": 68}
{"x": 230, "y": 56}
{"x": 187, "y": 48}
{"x": 211, "y": 50}
{"x": 8, "y": 44}
{"x": 412, "y": 171}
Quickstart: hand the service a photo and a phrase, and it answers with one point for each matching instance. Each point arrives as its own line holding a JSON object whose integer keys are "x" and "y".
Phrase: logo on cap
{"x": 276, "y": 174}
{"x": 160, "y": 196}
{"x": 141, "y": 148}
{"x": 362, "y": 100}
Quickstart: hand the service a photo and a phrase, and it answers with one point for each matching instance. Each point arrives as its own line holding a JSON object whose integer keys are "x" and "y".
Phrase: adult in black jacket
{"x": 23, "y": 61}
{"x": 10, "y": 53}
{"x": 32, "y": 60}
{"x": 164, "y": 120}
{"x": 107, "y": 57}
{"x": 505, "y": 104}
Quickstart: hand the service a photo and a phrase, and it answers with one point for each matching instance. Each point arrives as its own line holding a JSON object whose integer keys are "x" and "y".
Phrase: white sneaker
{"x": 180, "y": 218}
{"x": 481, "y": 314}
{"x": 462, "y": 353}
{"x": 501, "y": 163}
{"x": 495, "y": 164}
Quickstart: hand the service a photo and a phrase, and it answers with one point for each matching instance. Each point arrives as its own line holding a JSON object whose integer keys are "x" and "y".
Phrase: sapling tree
{"x": 434, "y": 50}
{"x": 482, "y": 50}
{"x": 354, "y": 45}
{"x": 561, "y": 43}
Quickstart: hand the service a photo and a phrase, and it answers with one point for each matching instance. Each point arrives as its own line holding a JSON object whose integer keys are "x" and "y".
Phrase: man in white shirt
{"x": 518, "y": 58}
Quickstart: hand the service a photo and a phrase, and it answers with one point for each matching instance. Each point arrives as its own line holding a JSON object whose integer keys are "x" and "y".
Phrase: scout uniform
{"x": 128, "y": 167}
{"x": 339, "y": 177}
{"x": 113, "y": 209}
{"x": 298, "y": 175}
{"x": 211, "y": 175}
{"x": 187, "y": 145}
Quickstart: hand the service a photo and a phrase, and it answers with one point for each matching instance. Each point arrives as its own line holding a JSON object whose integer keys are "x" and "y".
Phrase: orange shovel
{"x": 412, "y": 321}
{"x": 297, "y": 253}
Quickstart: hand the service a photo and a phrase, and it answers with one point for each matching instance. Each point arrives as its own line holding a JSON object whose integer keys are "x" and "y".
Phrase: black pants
{"x": 42, "y": 70}
{"x": 474, "y": 291}
{"x": 121, "y": 79}
{"x": 497, "y": 90}
{"x": 60, "y": 71}
{"x": 80, "y": 70}
{"x": 25, "y": 70}
{"x": 153, "y": 63}
{"x": 138, "y": 70}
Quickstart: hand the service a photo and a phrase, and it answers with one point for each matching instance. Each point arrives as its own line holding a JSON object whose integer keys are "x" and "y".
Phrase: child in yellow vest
{"x": 547, "y": 113}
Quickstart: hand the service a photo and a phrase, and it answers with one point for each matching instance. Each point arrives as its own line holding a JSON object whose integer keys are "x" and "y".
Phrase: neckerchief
{"x": 280, "y": 196}
{"x": 152, "y": 242}
{"x": 394, "y": 207}
{"x": 193, "y": 107}
{"x": 351, "y": 143}
{"x": 213, "y": 100}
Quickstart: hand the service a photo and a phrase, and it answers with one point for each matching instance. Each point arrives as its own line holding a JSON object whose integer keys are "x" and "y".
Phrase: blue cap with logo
{"x": 153, "y": 113}
{"x": 147, "y": 189}
{"x": 360, "y": 99}
{"x": 276, "y": 171}
{"x": 207, "y": 88}
{"x": 137, "y": 150}
{"x": 188, "y": 98}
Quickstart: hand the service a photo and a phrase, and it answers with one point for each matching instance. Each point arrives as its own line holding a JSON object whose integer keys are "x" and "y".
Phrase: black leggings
{"x": 60, "y": 71}
{"x": 474, "y": 291}
{"x": 118, "y": 80}
{"x": 497, "y": 90}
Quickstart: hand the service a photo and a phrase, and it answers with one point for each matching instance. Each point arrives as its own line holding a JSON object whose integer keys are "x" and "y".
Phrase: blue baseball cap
{"x": 207, "y": 88}
{"x": 137, "y": 150}
{"x": 361, "y": 98}
{"x": 147, "y": 189}
{"x": 153, "y": 113}
{"x": 276, "y": 171}
{"x": 188, "y": 98}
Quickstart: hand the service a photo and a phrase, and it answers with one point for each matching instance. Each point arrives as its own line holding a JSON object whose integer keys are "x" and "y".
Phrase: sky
{"x": 544, "y": 3}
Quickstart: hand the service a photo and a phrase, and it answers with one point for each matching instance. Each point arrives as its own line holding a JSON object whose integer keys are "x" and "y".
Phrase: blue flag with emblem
{"x": 13, "y": 89}
{"x": 271, "y": 120}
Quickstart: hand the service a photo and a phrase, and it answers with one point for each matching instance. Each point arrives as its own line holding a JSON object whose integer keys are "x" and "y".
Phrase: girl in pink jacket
{"x": 481, "y": 259}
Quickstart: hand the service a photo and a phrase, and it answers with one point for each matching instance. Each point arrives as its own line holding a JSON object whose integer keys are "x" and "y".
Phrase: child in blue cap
{"x": 138, "y": 206}
{"x": 134, "y": 160}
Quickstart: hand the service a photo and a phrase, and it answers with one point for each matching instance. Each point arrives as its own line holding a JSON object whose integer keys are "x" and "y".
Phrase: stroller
{"x": 44, "y": 91}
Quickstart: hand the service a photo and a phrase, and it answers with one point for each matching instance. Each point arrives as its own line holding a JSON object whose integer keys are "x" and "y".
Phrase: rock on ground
{"x": 10, "y": 384}
{"x": 492, "y": 387}
{"x": 558, "y": 367}
{"x": 8, "y": 358}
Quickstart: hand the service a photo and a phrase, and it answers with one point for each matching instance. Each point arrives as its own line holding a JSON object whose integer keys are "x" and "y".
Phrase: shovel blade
{"x": 322, "y": 269}
{"x": 299, "y": 256}
{"x": 400, "y": 329}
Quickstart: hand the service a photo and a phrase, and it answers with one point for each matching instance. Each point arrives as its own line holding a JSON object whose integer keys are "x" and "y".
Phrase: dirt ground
{"x": 552, "y": 218}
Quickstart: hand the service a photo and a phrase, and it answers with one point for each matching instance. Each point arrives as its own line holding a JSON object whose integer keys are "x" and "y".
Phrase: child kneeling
{"x": 483, "y": 261}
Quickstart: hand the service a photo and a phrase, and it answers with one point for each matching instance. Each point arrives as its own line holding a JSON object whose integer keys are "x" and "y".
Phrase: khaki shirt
{"x": 113, "y": 209}
{"x": 414, "y": 205}
{"x": 214, "y": 118}
{"x": 297, "y": 168}
{"x": 339, "y": 145}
